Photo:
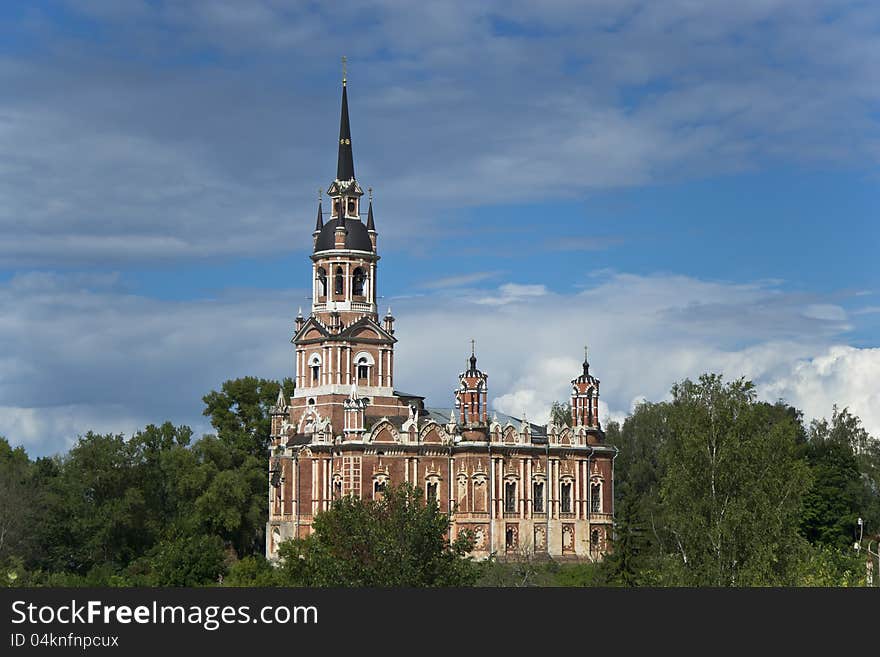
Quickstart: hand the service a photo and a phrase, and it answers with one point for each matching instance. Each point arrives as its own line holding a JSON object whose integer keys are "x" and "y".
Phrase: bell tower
{"x": 343, "y": 353}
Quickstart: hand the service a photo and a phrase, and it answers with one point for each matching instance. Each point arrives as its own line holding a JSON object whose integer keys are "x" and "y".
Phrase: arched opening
{"x": 538, "y": 496}
{"x": 315, "y": 366}
{"x": 339, "y": 286}
{"x": 363, "y": 364}
{"x": 565, "y": 495}
{"x": 357, "y": 282}
{"x": 431, "y": 492}
{"x": 594, "y": 540}
{"x": 596, "y": 498}
{"x": 322, "y": 282}
{"x": 510, "y": 497}
{"x": 352, "y": 207}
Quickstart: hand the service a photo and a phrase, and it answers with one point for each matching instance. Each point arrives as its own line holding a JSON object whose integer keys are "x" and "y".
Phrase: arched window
{"x": 565, "y": 491}
{"x": 315, "y": 366}
{"x": 431, "y": 491}
{"x": 322, "y": 282}
{"x": 352, "y": 207}
{"x": 379, "y": 488}
{"x": 363, "y": 362}
{"x": 357, "y": 282}
{"x": 337, "y": 206}
{"x": 510, "y": 497}
{"x": 594, "y": 540}
{"x": 538, "y": 496}
{"x": 339, "y": 287}
{"x": 596, "y": 498}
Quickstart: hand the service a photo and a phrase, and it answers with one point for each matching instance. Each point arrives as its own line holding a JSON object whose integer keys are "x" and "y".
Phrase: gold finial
{"x": 370, "y": 192}
{"x": 344, "y": 60}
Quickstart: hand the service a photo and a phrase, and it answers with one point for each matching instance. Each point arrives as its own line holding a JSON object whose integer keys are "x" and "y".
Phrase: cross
{"x": 472, "y": 347}
{"x": 585, "y": 353}
{"x": 344, "y": 59}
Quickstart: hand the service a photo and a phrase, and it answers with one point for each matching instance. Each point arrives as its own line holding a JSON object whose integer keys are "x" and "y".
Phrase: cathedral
{"x": 521, "y": 488}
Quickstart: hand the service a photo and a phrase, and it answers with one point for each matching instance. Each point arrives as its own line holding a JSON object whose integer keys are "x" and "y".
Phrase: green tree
{"x": 842, "y": 457}
{"x": 188, "y": 561}
{"x": 733, "y": 486}
{"x": 398, "y": 540}
{"x": 560, "y": 414}
{"x": 17, "y": 500}
{"x": 240, "y": 411}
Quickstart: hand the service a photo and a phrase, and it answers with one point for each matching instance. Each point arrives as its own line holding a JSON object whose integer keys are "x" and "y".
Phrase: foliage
{"x": 240, "y": 412}
{"x": 396, "y": 540}
{"x": 560, "y": 414}
{"x": 733, "y": 486}
{"x": 253, "y": 570}
{"x": 712, "y": 488}
{"x": 844, "y": 461}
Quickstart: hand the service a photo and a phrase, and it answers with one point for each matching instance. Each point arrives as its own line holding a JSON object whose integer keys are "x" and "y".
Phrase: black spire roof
{"x": 345, "y": 163}
{"x": 319, "y": 223}
{"x": 371, "y": 225}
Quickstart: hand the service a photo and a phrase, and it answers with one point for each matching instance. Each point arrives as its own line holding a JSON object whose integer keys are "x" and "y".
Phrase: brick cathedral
{"x": 520, "y": 487}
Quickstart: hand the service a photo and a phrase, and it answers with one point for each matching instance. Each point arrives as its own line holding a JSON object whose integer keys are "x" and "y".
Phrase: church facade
{"x": 520, "y": 487}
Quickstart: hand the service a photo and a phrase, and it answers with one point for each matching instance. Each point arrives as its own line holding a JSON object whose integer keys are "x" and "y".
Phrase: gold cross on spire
{"x": 344, "y": 60}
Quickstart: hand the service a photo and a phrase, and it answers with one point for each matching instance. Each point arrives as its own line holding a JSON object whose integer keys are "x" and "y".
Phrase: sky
{"x": 685, "y": 187}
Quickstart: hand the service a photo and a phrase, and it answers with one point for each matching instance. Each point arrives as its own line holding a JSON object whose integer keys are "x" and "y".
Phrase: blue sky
{"x": 687, "y": 187}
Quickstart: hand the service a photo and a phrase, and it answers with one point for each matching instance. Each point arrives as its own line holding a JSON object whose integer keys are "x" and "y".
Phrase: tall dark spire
{"x": 319, "y": 223}
{"x": 371, "y": 225}
{"x": 345, "y": 163}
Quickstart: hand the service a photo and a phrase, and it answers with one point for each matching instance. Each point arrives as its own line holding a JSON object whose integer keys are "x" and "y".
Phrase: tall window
{"x": 352, "y": 206}
{"x": 322, "y": 282}
{"x": 378, "y": 489}
{"x": 315, "y": 366}
{"x": 432, "y": 492}
{"x": 566, "y": 498}
{"x": 357, "y": 288}
{"x": 594, "y": 539}
{"x": 510, "y": 497}
{"x": 596, "y": 498}
{"x": 538, "y": 496}
{"x": 339, "y": 286}
{"x": 363, "y": 371}
{"x": 337, "y": 489}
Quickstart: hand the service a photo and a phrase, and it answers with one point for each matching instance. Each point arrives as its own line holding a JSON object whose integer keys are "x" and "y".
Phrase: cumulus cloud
{"x": 80, "y": 352}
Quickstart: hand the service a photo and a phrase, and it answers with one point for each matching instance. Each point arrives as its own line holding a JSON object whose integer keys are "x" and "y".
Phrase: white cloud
{"x": 80, "y": 353}
{"x": 842, "y": 375}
